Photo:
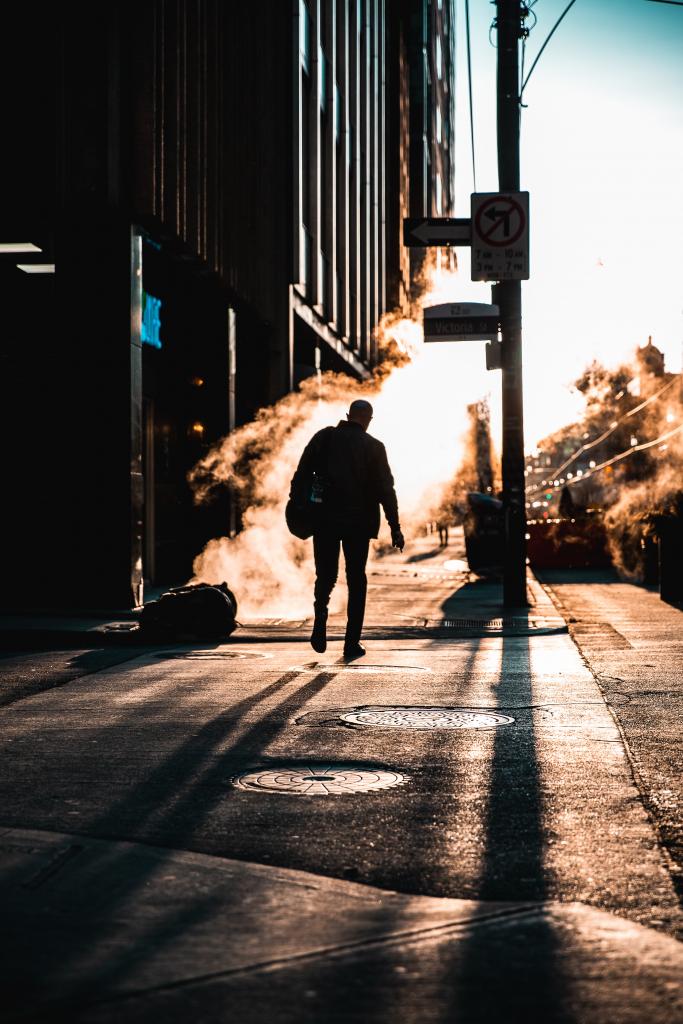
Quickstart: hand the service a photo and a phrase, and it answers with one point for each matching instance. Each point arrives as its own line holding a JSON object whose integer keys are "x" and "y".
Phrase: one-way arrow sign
{"x": 425, "y": 231}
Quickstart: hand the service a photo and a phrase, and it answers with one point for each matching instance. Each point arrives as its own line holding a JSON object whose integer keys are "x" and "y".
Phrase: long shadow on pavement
{"x": 494, "y": 978}
{"x": 424, "y": 556}
{"x": 496, "y": 971}
{"x": 367, "y": 994}
{"x": 179, "y": 794}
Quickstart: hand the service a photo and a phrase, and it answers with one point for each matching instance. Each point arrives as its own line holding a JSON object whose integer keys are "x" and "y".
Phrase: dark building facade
{"x": 214, "y": 192}
{"x": 420, "y": 86}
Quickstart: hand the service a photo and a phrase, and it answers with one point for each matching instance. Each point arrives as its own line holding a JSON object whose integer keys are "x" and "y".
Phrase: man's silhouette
{"x": 356, "y": 479}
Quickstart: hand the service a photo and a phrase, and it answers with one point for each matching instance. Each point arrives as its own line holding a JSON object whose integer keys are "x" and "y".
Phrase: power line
{"x": 652, "y": 398}
{"x": 616, "y": 458}
{"x": 613, "y": 426}
{"x": 469, "y": 81}
{"x": 610, "y": 430}
{"x": 624, "y": 455}
{"x": 549, "y": 37}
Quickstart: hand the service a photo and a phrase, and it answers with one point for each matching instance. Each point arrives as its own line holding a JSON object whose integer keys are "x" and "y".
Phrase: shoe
{"x": 319, "y": 634}
{"x": 353, "y": 651}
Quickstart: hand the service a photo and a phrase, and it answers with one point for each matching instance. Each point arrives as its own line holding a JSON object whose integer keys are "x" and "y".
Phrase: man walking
{"x": 356, "y": 479}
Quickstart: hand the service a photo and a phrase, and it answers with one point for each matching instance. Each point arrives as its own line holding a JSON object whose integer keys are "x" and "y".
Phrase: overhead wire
{"x": 661, "y": 440}
{"x": 554, "y": 473}
{"x": 622, "y": 455}
{"x": 492, "y": 27}
{"x": 565, "y": 12}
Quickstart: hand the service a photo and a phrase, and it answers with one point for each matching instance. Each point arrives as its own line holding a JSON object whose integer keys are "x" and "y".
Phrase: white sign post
{"x": 500, "y": 236}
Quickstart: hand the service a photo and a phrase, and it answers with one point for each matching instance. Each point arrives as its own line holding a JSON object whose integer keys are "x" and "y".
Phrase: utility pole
{"x": 508, "y": 295}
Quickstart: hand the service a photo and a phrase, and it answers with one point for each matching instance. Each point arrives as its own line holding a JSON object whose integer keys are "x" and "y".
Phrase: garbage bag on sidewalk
{"x": 199, "y": 611}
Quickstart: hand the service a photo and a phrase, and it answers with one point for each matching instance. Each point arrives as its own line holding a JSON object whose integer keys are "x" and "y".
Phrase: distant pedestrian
{"x": 355, "y": 475}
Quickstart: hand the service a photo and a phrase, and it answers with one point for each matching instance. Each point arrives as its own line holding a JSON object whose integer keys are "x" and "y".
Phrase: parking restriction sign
{"x": 500, "y": 236}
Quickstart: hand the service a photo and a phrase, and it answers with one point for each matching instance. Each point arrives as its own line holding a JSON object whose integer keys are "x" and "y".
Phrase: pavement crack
{"x": 54, "y": 866}
{"x": 412, "y": 936}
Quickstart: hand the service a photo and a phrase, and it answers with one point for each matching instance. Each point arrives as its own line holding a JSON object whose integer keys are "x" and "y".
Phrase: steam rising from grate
{"x": 419, "y": 393}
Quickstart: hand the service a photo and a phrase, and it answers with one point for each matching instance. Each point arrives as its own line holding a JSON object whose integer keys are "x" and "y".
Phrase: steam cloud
{"x": 419, "y": 393}
{"x": 636, "y": 491}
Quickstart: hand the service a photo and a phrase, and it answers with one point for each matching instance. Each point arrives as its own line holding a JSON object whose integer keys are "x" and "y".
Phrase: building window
{"x": 306, "y": 149}
{"x": 439, "y": 193}
{"x": 304, "y": 35}
{"x": 324, "y": 183}
{"x": 337, "y": 113}
{"x": 439, "y": 132}
{"x": 439, "y": 58}
{"x": 322, "y": 63}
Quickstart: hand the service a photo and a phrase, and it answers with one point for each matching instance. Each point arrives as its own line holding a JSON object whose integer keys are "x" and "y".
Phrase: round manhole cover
{"x": 319, "y": 779}
{"x": 213, "y": 655}
{"x": 425, "y": 718}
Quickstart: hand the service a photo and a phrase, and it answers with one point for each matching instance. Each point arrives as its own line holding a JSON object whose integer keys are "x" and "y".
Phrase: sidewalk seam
{"x": 419, "y": 935}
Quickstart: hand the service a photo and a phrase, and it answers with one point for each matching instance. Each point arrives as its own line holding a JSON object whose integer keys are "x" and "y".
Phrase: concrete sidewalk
{"x": 516, "y": 873}
{"x": 428, "y": 591}
{"x": 633, "y": 644}
{"x": 207, "y": 939}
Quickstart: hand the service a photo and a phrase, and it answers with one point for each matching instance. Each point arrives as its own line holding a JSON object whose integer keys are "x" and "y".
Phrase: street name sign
{"x": 461, "y": 321}
{"x": 421, "y": 232}
{"x": 500, "y": 236}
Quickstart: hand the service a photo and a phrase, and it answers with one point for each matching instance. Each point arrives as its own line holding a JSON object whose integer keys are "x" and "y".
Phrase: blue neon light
{"x": 151, "y": 321}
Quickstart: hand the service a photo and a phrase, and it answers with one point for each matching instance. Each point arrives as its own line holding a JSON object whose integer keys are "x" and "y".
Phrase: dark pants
{"x": 326, "y": 551}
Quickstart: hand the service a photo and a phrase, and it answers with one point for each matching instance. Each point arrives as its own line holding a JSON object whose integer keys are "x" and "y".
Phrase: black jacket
{"x": 357, "y": 478}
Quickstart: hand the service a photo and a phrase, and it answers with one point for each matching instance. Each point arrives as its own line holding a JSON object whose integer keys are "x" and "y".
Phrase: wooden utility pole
{"x": 509, "y": 298}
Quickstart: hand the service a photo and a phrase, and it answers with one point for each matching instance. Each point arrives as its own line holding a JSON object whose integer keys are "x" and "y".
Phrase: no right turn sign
{"x": 500, "y": 236}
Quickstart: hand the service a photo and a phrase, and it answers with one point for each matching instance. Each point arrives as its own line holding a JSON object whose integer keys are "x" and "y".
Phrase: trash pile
{"x": 198, "y": 611}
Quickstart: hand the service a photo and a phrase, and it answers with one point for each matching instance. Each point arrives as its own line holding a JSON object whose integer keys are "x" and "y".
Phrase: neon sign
{"x": 150, "y": 333}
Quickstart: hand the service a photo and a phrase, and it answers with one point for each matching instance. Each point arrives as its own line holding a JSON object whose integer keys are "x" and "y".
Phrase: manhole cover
{"x": 370, "y": 669}
{"x": 471, "y": 623}
{"x": 425, "y": 718}
{"x": 319, "y": 779}
{"x": 213, "y": 655}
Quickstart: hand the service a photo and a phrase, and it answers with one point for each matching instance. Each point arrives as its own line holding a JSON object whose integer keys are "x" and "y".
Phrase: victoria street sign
{"x": 421, "y": 232}
{"x": 500, "y": 236}
{"x": 461, "y": 321}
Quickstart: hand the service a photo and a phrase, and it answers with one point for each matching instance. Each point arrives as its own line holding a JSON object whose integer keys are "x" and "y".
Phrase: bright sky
{"x": 602, "y": 159}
